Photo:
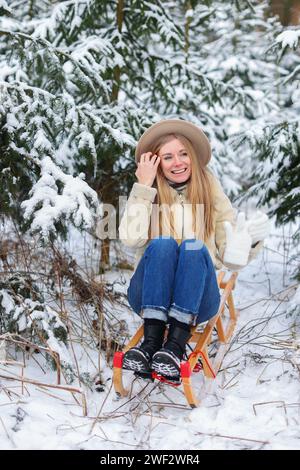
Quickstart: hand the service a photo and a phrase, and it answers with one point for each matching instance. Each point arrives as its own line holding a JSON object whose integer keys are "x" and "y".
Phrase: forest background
{"x": 80, "y": 80}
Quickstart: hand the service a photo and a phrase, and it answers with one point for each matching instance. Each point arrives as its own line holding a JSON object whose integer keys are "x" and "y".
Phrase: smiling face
{"x": 175, "y": 162}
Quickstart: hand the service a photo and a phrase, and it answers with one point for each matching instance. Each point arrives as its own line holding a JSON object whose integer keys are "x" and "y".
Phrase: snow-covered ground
{"x": 254, "y": 403}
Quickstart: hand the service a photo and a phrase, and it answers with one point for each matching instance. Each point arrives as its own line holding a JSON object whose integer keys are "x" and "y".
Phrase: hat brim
{"x": 175, "y": 126}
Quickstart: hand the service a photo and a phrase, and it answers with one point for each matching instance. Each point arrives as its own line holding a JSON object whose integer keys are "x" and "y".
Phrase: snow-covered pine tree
{"x": 23, "y": 311}
{"x": 230, "y": 42}
{"x": 250, "y": 55}
{"x": 85, "y": 77}
{"x": 77, "y": 84}
{"x": 81, "y": 80}
{"x": 226, "y": 42}
{"x": 275, "y": 179}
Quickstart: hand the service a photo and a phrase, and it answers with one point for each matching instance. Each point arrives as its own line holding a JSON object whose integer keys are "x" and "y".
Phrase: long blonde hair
{"x": 198, "y": 190}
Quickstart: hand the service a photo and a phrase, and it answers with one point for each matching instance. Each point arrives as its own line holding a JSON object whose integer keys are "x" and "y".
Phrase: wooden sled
{"x": 198, "y": 359}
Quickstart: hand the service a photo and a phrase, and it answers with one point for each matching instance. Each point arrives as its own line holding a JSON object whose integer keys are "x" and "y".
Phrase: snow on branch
{"x": 288, "y": 38}
{"x": 195, "y": 83}
{"x": 4, "y": 8}
{"x": 67, "y": 17}
{"x": 24, "y": 310}
{"x": 32, "y": 113}
{"x": 165, "y": 24}
{"x": 58, "y": 196}
{"x": 81, "y": 68}
{"x": 276, "y": 174}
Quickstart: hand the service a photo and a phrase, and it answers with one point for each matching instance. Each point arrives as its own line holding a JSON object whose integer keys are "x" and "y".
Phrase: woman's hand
{"x": 258, "y": 226}
{"x": 238, "y": 242}
{"x": 147, "y": 169}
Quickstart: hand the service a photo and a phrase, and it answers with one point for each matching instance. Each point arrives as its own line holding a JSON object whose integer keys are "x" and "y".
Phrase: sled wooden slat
{"x": 221, "y": 276}
{"x": 118, "y": 382}
{"x": 118, "y": 359}
{"x": 224, "y": 334}
{"x": 221, "y": 325}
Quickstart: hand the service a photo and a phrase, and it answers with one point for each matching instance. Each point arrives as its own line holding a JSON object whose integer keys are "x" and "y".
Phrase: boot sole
{"x": 164, "y": 363}
{"x": 136, "y": 361}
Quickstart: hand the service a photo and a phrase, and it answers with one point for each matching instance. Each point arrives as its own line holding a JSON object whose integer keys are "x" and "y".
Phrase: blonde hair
{"x": 199, "y": 190}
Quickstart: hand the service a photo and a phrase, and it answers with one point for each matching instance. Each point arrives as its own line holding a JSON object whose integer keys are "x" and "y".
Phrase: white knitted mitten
{"x": 238, "y": 242}
{"x": 258, "y": 226}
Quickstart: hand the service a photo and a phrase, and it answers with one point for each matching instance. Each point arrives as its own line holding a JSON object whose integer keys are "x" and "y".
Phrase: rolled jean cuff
{"x": 183, "y": 317}
{"x": 158, "y": 314}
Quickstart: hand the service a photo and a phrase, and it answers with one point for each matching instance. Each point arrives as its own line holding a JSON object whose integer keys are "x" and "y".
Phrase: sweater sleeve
{"x": 223, "y": 212}
{"x": 135, "y": 221}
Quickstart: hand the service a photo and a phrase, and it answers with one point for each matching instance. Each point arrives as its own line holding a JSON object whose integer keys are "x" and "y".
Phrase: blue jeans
{"x": 176, "y": 281}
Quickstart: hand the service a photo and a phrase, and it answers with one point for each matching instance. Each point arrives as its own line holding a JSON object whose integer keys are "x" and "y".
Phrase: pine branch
{"x": 81, "y": 59}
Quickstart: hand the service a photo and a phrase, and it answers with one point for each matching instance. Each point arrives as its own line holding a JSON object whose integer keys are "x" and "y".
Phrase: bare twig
{"x": 67, "y": 388}
{"x": 7, "y": 434}
{"x": 238, "y": 438}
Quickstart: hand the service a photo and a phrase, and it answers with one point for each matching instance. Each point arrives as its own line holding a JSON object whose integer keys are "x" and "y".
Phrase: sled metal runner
{"x": 223, "y": 324}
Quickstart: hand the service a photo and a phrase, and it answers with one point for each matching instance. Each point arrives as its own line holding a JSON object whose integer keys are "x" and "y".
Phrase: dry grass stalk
{"x": 238, "y": 438}
{"x": 7, "y": 434}
{"x": 67, "y": 388}
{"x": 51, "y": 394}
{"x": 28, "y": 345}
{"x": 271, "y": 403}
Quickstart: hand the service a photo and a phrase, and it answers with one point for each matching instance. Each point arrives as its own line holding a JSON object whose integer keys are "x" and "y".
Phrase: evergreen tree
{"x": 227, "y": 42}
{"x": 80, "y": 81}
{"x": 275, "y": 179}
{"x": 72, "y": 94}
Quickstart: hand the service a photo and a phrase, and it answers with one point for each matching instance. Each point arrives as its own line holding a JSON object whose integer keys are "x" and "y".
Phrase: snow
{"x": 296, "y": 299}
{"x": 6, "y": 301}
{"x": 58, "y": 347}
{"x": 189, "y": 13}
{"x": 252, "y": 404}
{"x": 230, "y": 85}
{"x": 41, "y": 142}
{"x": 72, "y": 202}
{"x": 4, "y": 5}
{"x": 6, "y": 71}
{"x": 288, "y": 38}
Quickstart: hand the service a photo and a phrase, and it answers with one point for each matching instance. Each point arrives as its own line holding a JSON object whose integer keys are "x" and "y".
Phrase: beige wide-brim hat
{"x": 175, "y": 126}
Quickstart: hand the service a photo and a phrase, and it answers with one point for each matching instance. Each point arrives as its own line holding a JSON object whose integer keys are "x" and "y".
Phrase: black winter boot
{"x": 138, "y": 359}
{"x": 166, "y": 362}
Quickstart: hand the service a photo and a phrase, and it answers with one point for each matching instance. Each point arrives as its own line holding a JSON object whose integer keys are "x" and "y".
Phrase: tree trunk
{"x": 287, "y": 10}
{"x": 104, "y": 260}
{"x": 117, "y": 70}
{"x": 105, "y": 245}
{"x": 187, "y": 6}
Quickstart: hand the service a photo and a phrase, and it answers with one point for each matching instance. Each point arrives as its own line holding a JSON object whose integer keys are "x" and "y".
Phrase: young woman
{"x": 183, "y": 227}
